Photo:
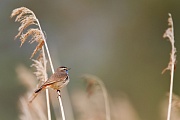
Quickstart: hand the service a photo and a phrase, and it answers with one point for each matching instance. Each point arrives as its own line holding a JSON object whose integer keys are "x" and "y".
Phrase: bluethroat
{"x": 57, "y": 81}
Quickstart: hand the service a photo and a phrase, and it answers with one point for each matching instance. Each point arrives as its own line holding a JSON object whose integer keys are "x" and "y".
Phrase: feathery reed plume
{"x": 175, "y": 107}
{"x": 170, "y": 35}
{"x": 35, "y": 111}
{"x": 26, "y": 17}
{"x": 176, "y": 102}
{"x": 92, "y": 81}
{"x": 40, "y": 68}
{"x": 40, "y": 71}
{"x": 171, "y": 65}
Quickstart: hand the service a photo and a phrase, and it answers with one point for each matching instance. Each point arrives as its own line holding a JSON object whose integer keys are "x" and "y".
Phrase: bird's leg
{"x": 59, "y": 93}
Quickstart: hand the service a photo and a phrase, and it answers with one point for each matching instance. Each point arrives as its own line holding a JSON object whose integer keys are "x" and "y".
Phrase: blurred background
{"x": 120, "y": 41}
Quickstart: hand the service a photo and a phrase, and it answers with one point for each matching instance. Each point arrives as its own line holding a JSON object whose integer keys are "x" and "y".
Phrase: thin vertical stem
{"x": 170, "y": 94}
{"x": 171, "y": 84}
{"x": 48, "y": 104}
{"x": 52, "y": 68}
{"x": 59, "y": 97}
{"x": 61, "y": 105}
{"x": 106, "y": 100}
{"x": 170, "y": 34}
{"x": 44, "y": 59}
{"x": 104, "y": 92}
{"x": 47, "y": 92}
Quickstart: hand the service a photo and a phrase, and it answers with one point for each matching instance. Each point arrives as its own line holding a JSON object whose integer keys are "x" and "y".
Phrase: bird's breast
{"x": 59, "y": 85}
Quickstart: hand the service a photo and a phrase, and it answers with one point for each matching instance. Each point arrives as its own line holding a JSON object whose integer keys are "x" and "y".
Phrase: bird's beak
{"x": 69, "y": 68}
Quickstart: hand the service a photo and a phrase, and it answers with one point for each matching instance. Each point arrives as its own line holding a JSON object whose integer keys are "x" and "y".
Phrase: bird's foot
{"x": 59, "y": 93}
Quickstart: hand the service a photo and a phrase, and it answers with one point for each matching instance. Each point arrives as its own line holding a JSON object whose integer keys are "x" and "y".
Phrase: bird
{"x": 57, "y": 81}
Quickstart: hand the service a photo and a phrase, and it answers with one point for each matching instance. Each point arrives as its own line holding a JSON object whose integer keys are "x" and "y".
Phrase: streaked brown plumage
{"x": 57, "y": 81}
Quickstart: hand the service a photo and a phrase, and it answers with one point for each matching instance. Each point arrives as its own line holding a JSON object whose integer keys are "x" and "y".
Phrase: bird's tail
{"x": 38, "y": 90}
{"x": 33, "y": 97}
{"x": 35, "y": 94}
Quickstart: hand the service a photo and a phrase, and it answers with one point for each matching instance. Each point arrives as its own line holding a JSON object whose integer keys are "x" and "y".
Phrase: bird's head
{"x": 63, "y": 69}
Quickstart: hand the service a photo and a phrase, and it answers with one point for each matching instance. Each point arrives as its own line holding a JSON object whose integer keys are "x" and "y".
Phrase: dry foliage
{"x": 91, "y": 84}
{"x": 176, "y": 102}
{"x": 92, "y": 108}
{"x": 40, "y": 73}
{"x": 35, "y": 111}
{"x": 30, "y": 27}
{"x": 171, "y": 65}
{"x": 175, "y": 113}
{"x": 39, "y": 65}
{"x": 92, "y": 81}
{"x": 26, "y": 17}
{"x": 170, "y": 35}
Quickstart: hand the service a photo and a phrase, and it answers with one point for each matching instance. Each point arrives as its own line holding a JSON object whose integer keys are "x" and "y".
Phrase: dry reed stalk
{"x": 175, "y": 108}
{"x": 171, "y": 65}
{"x": 91, "y": 107}
{"x": 26, "y": 17}
{"x": 92, "y": 80}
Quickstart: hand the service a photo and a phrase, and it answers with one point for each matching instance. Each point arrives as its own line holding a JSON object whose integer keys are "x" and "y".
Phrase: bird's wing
{"x": 55, "y": 78}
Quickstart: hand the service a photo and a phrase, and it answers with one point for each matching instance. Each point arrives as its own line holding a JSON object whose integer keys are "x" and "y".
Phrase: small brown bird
{"x": 57, "y": 81}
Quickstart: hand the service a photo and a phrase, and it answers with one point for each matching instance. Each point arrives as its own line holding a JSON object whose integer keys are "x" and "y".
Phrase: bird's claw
{"x": 59, "y": 93}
